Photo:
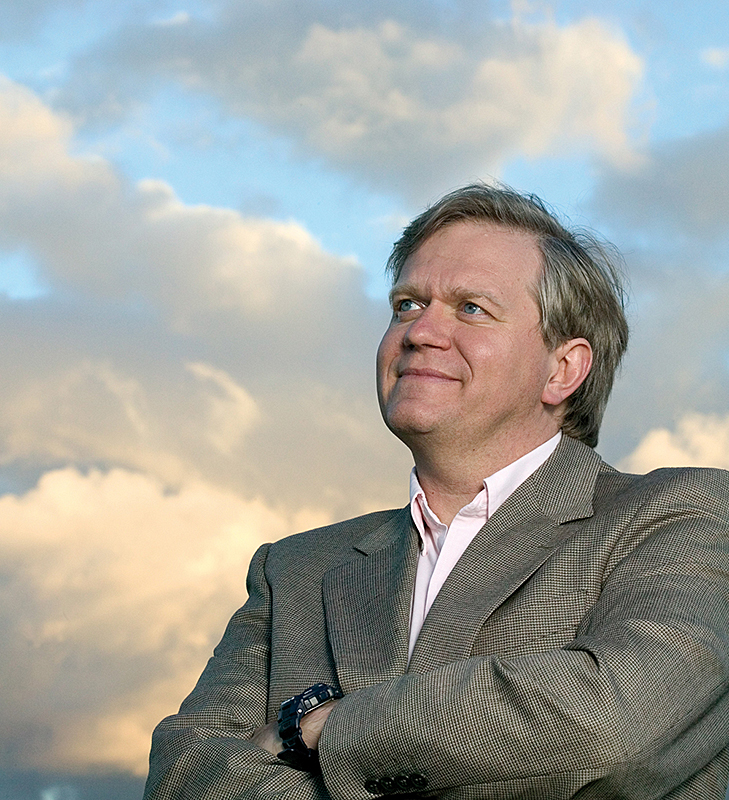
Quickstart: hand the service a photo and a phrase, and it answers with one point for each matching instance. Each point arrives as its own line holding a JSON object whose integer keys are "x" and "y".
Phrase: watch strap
{"x": 295, "y": 751}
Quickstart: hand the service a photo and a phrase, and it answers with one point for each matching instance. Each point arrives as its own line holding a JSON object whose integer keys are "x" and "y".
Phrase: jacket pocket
{"x": 532, "y": 622}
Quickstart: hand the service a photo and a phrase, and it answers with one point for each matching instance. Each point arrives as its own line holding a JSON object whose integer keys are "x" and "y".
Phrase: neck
{"x": 451, "y": 478}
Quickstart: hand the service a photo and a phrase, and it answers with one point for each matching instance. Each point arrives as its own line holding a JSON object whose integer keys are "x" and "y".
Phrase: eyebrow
{"x": 457, "y": 294}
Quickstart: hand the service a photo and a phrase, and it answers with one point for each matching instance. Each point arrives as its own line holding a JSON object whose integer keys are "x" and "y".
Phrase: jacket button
{"x": 387, "y": 784}
{"x": 403, "y": 783}
{"x": 418, "y": 781}
{"x": 372, "y": 785}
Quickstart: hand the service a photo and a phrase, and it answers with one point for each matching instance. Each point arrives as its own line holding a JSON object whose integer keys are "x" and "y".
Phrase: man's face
{"x": 463, "y": 360}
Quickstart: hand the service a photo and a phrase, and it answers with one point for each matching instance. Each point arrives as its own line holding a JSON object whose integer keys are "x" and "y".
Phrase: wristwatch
{"x": 292, "y": 710}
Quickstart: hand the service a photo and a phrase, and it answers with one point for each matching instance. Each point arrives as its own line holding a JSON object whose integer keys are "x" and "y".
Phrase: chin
{"x": 405, "y": 426}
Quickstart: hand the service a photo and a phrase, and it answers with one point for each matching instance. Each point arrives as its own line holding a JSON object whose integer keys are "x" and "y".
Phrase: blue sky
{"x": 196, "y": 202}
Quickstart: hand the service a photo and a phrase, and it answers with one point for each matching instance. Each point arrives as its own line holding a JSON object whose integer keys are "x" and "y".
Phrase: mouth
{"x": 424, "y": 373}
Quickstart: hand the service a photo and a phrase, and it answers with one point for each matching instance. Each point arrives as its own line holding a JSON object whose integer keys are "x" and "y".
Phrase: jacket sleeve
{"x": 204, "y": 751}
{"x": 632, "y": 707}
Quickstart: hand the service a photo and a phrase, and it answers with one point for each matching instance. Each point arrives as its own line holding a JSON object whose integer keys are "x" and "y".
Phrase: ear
{"x": 570, "y": 366}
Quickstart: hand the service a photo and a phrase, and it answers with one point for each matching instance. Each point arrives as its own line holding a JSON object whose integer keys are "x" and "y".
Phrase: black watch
{"x": 292, "y": 710}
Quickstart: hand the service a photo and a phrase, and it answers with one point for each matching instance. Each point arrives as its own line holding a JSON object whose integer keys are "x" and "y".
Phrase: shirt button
{"x": 372, "y": 785}
{"x": 387, "y": 784}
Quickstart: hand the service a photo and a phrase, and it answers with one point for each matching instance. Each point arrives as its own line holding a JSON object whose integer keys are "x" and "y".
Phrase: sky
{"x": 196, "y": 203}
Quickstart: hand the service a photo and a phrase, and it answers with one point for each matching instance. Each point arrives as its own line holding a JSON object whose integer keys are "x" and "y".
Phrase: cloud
{"x": 677, "y": 358}
{"x": 21, "y": 20}
{"x": 697, "y": 441}
{"x": 381, "y": 95}
{"x": 716, "y": 57}
{"x": 180, "y": 340}
{"x": 193, "y": 382}
{"x": 178, "y": 18}
{"x": 116, "y": 582}
{"x": 670, "y": 216}
{"x": 114, "y": 591}
{"x": 84, "y": 410}
{"x": 676, "y": 190}
{"x": 232, "y": 411}
{"x": 94, "y": 231}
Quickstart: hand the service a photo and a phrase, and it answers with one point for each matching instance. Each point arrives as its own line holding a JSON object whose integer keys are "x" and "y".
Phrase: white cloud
{"x": 195, "y": 369}
{"x": 405, "y": 107}
{"x": 178, "y": 18}
{"x": 209, "y": 378}
{"x": 153, "y": 284}
{"x": 716, "y": 57}
{"x": 33, "y": 141}
{"x": 232, "y": 411}
{"x": 697, "y": 441}
{"x": 115, "y": 591}
{"x": 82, "y": 410}
{"x": 93, "y": 230}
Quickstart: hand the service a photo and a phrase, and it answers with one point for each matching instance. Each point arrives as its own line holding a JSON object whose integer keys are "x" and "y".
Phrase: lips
{"x": 425, "y": 373}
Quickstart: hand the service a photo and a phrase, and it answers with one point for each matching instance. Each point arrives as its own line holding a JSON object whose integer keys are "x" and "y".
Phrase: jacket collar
{"x": 563, "y": 488}
{"x": 367, "y": 604}
{"x": 523, "y": 533}
{"x": 367, "y": 599}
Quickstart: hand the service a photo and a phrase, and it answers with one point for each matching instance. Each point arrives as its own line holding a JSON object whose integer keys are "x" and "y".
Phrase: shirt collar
{"x": 497, "y": 488}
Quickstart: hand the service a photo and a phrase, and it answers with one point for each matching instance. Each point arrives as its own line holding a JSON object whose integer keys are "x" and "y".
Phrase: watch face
{"x": 318, "y": 694}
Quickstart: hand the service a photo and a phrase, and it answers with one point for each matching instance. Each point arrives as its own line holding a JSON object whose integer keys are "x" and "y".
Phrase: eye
{"x": 405, "y": 309}
{"x": 472, "y": 308}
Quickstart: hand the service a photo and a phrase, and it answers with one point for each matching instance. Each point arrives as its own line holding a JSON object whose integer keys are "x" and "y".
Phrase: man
{"x": 534, "y": 624}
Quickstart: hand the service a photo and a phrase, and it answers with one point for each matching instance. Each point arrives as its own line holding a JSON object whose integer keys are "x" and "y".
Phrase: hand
{"x": 313, "y": 723}
{"x": 267, "y": 737}
{"x": 311, "y": 727}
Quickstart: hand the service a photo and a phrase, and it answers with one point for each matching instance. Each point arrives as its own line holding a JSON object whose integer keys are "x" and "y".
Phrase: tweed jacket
{"x": 579, "y": 649}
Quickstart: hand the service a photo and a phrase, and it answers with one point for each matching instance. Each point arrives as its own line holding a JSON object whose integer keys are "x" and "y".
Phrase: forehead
{"x": 475, "y": 255}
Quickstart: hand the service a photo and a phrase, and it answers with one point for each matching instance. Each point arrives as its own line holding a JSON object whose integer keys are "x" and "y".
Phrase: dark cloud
{"x": 680, "y": 190}
{"x": 671, "y": 217}
{"x": 677, "y": 359}
{"x": 21, "y": 20}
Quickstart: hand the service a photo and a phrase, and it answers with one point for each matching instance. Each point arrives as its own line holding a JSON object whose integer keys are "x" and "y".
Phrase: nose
{"x": 431, "y": 328}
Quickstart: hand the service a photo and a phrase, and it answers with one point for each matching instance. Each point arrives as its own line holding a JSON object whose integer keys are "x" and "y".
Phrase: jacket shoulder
{"x": 330, "y": 543}
{"x": 680, "y": 498}
{"x": 668, "y": 481}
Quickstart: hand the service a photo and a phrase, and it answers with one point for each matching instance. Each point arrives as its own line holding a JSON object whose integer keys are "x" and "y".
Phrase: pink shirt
{"x": 441, "y": 546}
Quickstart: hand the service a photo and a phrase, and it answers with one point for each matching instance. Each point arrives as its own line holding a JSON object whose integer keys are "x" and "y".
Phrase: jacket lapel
{"x": 513, "y": 544}
{"x": 367, "y": 605}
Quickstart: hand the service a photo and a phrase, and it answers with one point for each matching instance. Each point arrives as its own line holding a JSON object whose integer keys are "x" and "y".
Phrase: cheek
{"x": 386, "y": 352}
{"x": 534, "y": 365}
{"x": 517, "y": 360}
{"x": 481, "y": 353}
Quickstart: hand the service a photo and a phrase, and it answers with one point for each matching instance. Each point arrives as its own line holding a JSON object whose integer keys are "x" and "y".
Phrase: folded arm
{"x": 640, "y": 691}
{"x": 208, "y": 750}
